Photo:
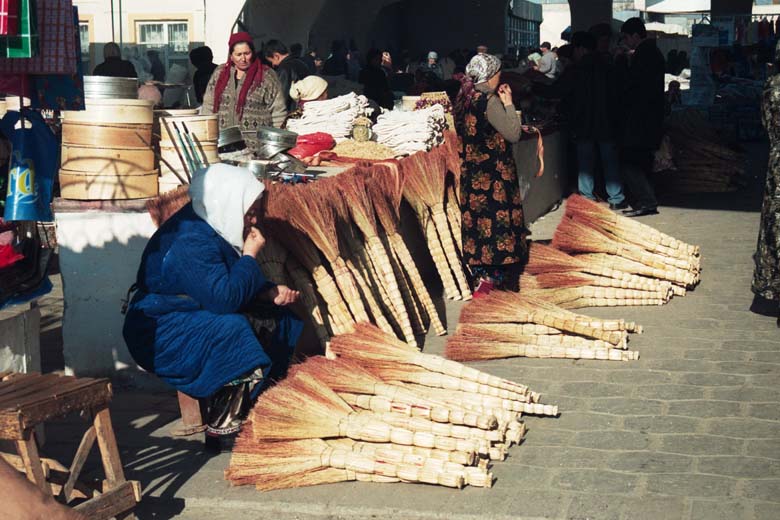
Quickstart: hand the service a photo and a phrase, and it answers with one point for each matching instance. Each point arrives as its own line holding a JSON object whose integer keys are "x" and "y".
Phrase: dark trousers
{"x": 586, "y": 162}
{"x": 636, "y": 166}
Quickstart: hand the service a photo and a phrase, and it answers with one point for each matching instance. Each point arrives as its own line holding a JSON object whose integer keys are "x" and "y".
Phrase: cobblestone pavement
{"x": 690, "y": 431}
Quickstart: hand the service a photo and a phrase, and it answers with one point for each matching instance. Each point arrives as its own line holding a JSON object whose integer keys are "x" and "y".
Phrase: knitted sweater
{"x": 265, "y": 105}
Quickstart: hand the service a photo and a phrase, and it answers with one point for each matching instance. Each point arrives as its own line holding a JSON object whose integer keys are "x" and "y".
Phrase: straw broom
{"x": 454, "y": 217}
{"x": 574, "y": 237}
{"x": 302, "y": 282}
{"x": 618, "y": 325}
{"x": 434, "y": 171}
{"x": 514, "y": 333}
{"x": 477, "y": 477}
{"x": 464, "y": 458}
{"x": 300, "y": 407}
{"x": 386, "y": 191}
{"x": 484, "y": 402}
{"x": 417, "y": 192}
{"x": 279, "y": 465}
{"x": 583, "y": 303}
{"x": 308, "y": 212}
{"x": 564, "y": 294}
{"x": 368, "y": 344}
{"x": 578, "y": 279}
{"x": 546, "y": 259}
{"x": 504, "y": 307}
{"x": 474, "y": 347}
{"x": 414, "y": 306}
{"x": 277, "y": 222}
{"x": 624, "y": 226}
{"x": 353, "y": 190}
{"x": 342, "y": 376}
{"x": 676, "y": 276}
{"x": 418, "y": 424}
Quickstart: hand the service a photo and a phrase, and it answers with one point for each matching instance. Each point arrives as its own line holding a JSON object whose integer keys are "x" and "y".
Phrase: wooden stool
{"x": 27, "y": 400}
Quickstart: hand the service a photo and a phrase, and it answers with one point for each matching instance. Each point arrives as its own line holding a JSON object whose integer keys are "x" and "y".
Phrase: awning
{"x": 679, "y": 6}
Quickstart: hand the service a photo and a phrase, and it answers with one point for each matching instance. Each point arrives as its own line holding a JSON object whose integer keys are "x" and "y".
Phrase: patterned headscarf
{"x": 482, "y": 67}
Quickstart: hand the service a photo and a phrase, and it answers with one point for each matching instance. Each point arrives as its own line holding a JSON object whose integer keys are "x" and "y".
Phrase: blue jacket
{"x": 185, "y": 323}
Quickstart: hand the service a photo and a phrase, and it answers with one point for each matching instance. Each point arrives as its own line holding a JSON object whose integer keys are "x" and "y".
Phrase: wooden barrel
{"x": 206, "y": 128}
{"x": 168, "y": 153}
{"x": 107, "y": 152}
{"x": 83, "y": 186}
{"x": 116, "y": 161}
{"x": 104, "y": 87}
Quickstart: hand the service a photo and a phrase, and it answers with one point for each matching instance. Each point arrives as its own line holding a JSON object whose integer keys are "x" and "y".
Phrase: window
{"x": 84, "y": 38}
{"x": 174, "y": 35}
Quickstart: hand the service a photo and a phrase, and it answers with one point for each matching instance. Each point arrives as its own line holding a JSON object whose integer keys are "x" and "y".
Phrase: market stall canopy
{"x": 666, "y": 28}
{"x": 679, "y": 6}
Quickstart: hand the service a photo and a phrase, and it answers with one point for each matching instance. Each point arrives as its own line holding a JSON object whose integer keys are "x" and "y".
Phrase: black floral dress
{"x": 766, "y": 278}
{"x": 490, "y": 198}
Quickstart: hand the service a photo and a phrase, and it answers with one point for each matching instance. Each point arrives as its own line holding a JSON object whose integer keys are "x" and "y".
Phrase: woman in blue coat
{"x": 204, "y": 318}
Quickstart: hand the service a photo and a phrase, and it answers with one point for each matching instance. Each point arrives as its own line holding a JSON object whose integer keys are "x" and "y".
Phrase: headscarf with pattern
{"x": 482, "y": 67}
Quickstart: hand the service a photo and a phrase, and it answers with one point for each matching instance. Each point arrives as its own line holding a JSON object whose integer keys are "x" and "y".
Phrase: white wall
{"x": 210, "y": 21}
{"x": 557, "y": 18}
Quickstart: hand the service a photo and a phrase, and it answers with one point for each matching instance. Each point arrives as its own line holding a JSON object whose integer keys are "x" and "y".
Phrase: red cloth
{"x": 9, "y": 17}
{"x": 312, "y": 144}
{"x": 8, "y": 256}
{"x": 57, "y": 46}
{"x": 254, "y": 76}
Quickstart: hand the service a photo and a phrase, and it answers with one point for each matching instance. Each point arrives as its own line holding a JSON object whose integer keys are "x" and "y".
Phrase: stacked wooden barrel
{"x": 107, "y": 151}
{"x": 204, "y": 131}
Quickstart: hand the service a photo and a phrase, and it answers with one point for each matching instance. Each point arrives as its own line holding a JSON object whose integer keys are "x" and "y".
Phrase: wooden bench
{"x": 28, "y": 400}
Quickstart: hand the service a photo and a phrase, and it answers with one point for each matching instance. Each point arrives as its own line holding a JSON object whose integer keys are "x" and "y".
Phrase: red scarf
{"x": 254, "y": 77}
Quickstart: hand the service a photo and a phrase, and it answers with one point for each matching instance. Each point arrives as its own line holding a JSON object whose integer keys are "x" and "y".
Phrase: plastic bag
{"x": 312, "y": 144}
{"x": 35, "y": 157}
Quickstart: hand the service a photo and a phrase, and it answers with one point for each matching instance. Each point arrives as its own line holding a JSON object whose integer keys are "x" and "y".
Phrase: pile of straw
{"x": 506, "y": 324}
{"x": 380, "y": 411}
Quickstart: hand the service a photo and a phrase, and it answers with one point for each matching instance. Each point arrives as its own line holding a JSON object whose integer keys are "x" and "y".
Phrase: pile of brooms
{"x": 381, "y": 411}
{"x": 338, "y": 241}
{"x": 601, "y": 259}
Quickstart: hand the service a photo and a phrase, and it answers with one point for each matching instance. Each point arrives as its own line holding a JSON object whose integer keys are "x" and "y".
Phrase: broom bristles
{"x": 543, "y": 258}
{"x": 164, "y": 206}
{"x": 299, "y": 407}
{"x": 571, "y": 236}
{"x": 341, "y": 375}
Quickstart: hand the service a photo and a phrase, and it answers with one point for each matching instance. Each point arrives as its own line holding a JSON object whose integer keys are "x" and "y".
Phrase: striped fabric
{"x": 9, "y": 17}
{"x": 54, "y": 38}
{"x": 24, "y": 43}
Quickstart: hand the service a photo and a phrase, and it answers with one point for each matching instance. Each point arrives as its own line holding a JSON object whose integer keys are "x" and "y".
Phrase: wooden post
{"x": 28, "y": 450}
{"x": 109, "y": 451}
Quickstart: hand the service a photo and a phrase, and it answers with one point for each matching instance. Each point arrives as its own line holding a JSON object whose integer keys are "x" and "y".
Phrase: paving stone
{"x": 767, "y": 490}
{"x": 596, "y": 481}
{"x": 746, "y": 428}
{"x": 765, "y": 357}
{"x": 747, "y": 393}
{"x": 681, "y": 365}
{"x": 654, "y": 508}
{"x": 720, "y": 510}
{"x": 763, "y": 448}
{"x": 612, "y": 440}
{"x": 700, "y": 445}
{"x": 768, "y": 380}
{"x": 661, "y": 424}
{"x": 638, "y": 377}
{"x": 559, "y": 457}
{"x": 670, "y": 392}
{"x": 580, "y": 421}
{"x": 595, "y": 390}
{"x": 767, "y": 511}
{"x": 541, "y": 437}
{"x": 537, "y": 504}
{"x": 592, "y": 507}
{"x": 750, "y": 368}
{"x": 649, "y": 462}
{"x": 710, "y": 379}
{"x": 741, "y": 467}
{"x": 769, "y": 411}
{"x": 715, "y": 355}
{"x": 702, "y": 408}
{"x": 751, "y": 345}
{"x": 691, "y": 485}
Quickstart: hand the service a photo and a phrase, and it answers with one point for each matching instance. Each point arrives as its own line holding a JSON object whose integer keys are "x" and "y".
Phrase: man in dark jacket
{"x": 289, "y": 68}
{"x": 113, "y": 65}
{"x": 642, "y": 113}
{"x": 203, "y": 60}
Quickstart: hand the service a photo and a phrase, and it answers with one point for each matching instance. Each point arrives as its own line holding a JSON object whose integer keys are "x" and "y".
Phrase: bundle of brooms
{"x": 506, "y": 324}
{"x": 601, "y": 239}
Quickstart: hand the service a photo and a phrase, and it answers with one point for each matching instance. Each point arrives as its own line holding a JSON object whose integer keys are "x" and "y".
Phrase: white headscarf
{"x": 482, "y": 67}
{"x": 221, "y": 195}
{"x": 308, "y": 89}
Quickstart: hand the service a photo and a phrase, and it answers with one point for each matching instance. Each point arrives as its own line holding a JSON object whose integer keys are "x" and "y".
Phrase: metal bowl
{"x": 257, "y": 167}
{"x": 231, "y": 137}
{"x": 104, "y": 87}
{"x": 278, "y": 137}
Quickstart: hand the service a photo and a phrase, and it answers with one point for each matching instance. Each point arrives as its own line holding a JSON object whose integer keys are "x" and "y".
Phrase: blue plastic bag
{"x": 35, "y": 157}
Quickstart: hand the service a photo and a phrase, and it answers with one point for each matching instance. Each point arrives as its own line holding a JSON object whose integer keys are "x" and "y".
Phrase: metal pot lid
{"x": 230, "y": 135}
{"x": 269, "y": 134}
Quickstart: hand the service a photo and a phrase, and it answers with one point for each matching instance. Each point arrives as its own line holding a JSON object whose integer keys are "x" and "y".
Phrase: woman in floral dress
{"x": 766, "y": 278}
{"x": 493, "y": 228}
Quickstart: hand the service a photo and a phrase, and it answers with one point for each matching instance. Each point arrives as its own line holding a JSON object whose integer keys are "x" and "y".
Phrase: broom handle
{"x": 454, "y": 217}
{"x": 302, "y": 282}
{"x": 547, "y": 340}
{"x": 570, "y": 325}
{"x": 585, "y": 302}
{"x": 454, "y": 415}
{"x": 448, "y": 245}
{"x": 346, "y": 284}
{"x": 542, "y": 352}
{"x": 417, "y": 314}
{"x": 340, "y": 318}
{"x": 673, "y": 275}
{"x": 484, "y": 401}
{"x": 368, "y": 298}
{"x": 648, "y": 285}
{"x": 441, "y": 429}
{"x": 410, "y": 267}
{"x": 381, "y": 261}
{"x": 651, "y": 259}
{"x": 459, "y": 370}
{"x": 439, "y": 258}
{"x": 465, "y": 458}
{"x": 590, "y": 291}
{"x": 446, "y": 382}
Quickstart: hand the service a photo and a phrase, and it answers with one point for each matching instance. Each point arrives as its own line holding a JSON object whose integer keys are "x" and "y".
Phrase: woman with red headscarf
{"x": 245, "y": 93}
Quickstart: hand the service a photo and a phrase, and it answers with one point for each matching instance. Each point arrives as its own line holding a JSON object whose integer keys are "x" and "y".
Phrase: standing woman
{"x": 311, "y": 88}
{"x": 245, "y": 93}
{"x": 766, "y": 278}
{"x": 493, "y": 227}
